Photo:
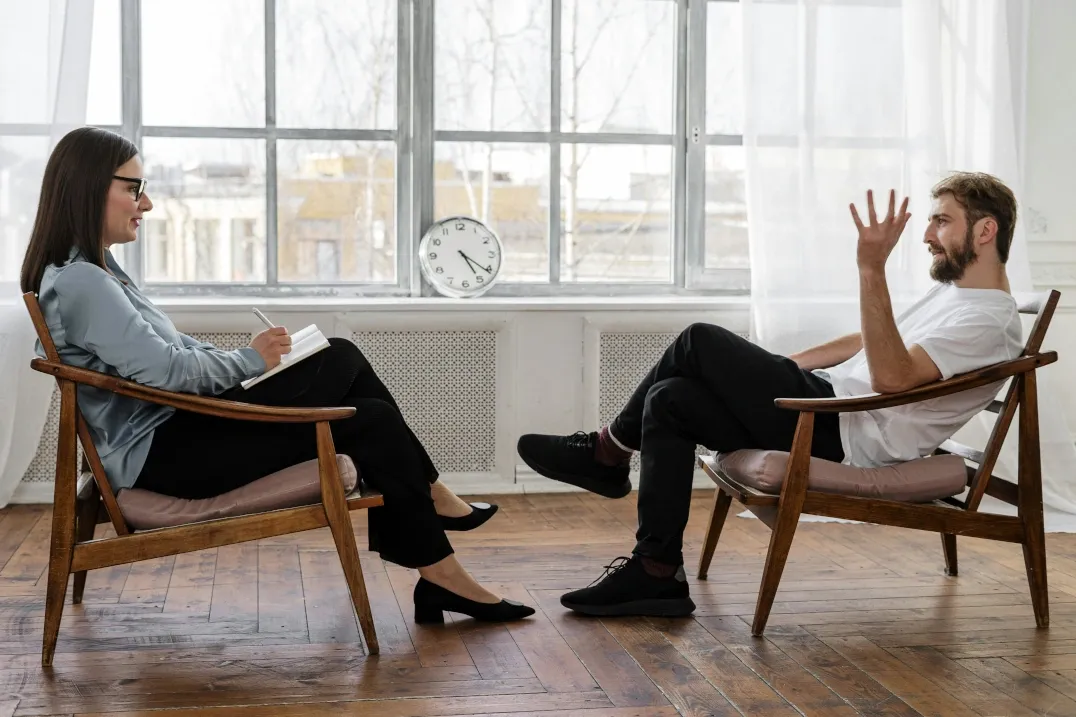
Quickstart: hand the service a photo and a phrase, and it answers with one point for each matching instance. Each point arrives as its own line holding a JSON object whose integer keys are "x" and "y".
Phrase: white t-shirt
{"x": 961, "y": 330}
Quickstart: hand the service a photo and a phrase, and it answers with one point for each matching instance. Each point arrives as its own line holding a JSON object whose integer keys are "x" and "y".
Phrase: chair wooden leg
{"x": 793, "y": 493}
{"x": 85, "y": 523}
{"x": 343, "y": 535}
{"x": 949, "y": 548}
{"x": 1030, "y": 501}
{"x": 62, "y": 546}
{"x": 718, "y": 513}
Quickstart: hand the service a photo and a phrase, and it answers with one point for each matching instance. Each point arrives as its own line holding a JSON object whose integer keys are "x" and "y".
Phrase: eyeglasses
{"x": 140, "y": 182}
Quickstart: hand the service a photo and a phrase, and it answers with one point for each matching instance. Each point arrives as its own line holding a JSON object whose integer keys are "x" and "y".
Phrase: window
{"x": 206, "y": 241}
{"x": 245, "y": 250}
{"x": 155, "y": 233}
{"x": 305, "y": 144}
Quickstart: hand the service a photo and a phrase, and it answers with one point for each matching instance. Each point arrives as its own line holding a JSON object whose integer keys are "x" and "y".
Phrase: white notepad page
{"x": 304, "y": 343}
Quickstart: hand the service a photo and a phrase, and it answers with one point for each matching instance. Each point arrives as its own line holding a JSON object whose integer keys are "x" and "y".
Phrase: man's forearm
{"x": 888, "y": 358}
{"x": 829, "y": 354}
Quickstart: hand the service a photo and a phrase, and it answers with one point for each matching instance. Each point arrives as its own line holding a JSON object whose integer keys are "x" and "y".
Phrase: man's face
{"x": 950, "y": 239}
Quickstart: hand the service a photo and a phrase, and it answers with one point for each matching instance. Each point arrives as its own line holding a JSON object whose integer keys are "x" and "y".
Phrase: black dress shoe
{"x": 480, "y": 513}
{"x": 432, "y": 600}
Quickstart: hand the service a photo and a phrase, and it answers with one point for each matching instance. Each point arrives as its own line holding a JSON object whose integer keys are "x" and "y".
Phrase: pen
{"x": 264, "y": 320}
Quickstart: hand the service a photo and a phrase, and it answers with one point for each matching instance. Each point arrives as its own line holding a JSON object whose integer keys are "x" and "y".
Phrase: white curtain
{"x": 842, "y": 97}
{"x": 44, "y": 77}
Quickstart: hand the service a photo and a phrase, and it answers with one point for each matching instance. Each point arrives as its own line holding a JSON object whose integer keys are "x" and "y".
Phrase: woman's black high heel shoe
{"x": 432, "y": 600}
{"x": 480, "y": 513}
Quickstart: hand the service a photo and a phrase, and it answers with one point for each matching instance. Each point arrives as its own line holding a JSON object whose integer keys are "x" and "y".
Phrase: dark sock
{"x": 608, "y": 453}
{"x": 657, "y": 569}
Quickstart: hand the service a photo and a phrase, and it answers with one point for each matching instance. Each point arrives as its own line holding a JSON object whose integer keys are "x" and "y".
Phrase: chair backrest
{"x": 91, "y": 458}
{"x": 1042, "y": 306}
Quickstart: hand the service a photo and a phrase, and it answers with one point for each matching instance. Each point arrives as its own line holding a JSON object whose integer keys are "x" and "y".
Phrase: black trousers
{"x": 714, "y": 388}
{"x": 196, "y": 456}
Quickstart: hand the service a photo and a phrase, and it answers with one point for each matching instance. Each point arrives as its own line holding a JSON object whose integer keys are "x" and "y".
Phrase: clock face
{"x": 460, "y": 256}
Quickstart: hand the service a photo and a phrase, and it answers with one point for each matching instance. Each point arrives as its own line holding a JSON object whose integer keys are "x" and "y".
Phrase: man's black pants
{"x": 714, "y": 388}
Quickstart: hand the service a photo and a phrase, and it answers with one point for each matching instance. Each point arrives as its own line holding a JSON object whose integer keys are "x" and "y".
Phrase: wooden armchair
{"x": 949, "y": 516}
{"x": 79, "y": 498}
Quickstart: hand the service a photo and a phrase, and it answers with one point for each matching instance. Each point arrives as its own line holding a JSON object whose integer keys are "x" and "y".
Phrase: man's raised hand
{"x": 877, "y": 238}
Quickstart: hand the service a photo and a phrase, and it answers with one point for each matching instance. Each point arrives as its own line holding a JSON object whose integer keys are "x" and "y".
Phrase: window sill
{"x": 482, "y": 304}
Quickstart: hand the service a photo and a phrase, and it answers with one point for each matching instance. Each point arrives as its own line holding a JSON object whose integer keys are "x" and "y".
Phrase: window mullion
{"x": 696, "y": 140}
{"x": 554, "y": 146}
{"x": 271, "y": 186}
{"x": 422, "y": 186}
{"x": 405, "y": 249}
{"x": 679, "y": 168}
{"x": 131, "y": 108}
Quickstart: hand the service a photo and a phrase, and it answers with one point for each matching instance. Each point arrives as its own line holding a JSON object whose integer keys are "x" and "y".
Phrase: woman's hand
{"x": 272, "y": 344}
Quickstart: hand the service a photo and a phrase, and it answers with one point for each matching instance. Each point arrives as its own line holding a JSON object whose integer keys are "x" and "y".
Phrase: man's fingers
{"x": 855, "y": 216}
{"x": 904, "y": 218}
{"x": 870, "y": 208}
{"x": 892, "y": 206}
{"x": 278, "y": 331}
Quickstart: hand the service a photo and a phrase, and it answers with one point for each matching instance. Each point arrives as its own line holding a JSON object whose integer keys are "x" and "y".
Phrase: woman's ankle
{"x": 452, "y": 576}
{"x": 446, "y": 503}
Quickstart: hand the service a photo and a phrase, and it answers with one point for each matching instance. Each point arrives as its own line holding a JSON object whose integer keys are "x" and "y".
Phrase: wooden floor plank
{"x": 521, "y": 704}
{"x": 961, "y": 683}
{"x": 16, "y": 524}
{"x": 843, "y": 676}
{"x": 688, "y": 690}
{"x": 864, "y": 623}
{"x": 551, "y": 659}
{"x": 1025, "y": 688}
{"x": 281, "y": 607}
{"x": 390, "y": 618}
{"x": 31, "y": 558}
{"x": 147, "y": 581}
{"x": 902, "y": 681}
{"x": 740, "y": 686}
{"x": 615, "y": 671}
{"x": 493, "y": 651}
{"x": 788, "y": 678}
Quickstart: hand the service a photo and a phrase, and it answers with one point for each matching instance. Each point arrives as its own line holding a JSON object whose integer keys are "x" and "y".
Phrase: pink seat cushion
{"x": 287, "y": 488}
{"x": 917, "y": 481}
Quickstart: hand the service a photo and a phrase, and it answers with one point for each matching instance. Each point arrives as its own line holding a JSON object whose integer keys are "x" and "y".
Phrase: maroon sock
{"x": 658, "y": 569}
{"x": 608, "y": 453}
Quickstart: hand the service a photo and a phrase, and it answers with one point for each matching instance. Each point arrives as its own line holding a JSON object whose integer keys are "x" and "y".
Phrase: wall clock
{"x": 460, "y": 257}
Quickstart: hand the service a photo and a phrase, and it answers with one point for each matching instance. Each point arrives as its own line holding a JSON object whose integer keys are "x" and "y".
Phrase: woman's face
{"x": 124, "y": 207}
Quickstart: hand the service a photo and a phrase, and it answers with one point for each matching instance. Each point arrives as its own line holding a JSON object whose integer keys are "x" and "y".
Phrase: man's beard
{"x": 952, "y": 265}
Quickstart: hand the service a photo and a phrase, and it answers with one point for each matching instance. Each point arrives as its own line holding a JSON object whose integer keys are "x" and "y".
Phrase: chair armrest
{"x": 190, "y": 402}
{"x": 963, "y": 382}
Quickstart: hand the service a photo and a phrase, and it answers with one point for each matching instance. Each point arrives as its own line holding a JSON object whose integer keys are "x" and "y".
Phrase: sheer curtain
{"x": 44, "y": 76}
{"x": 880, "y": 94}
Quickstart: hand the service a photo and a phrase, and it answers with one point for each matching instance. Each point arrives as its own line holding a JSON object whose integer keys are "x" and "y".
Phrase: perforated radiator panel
{"x": 445, "y": 383}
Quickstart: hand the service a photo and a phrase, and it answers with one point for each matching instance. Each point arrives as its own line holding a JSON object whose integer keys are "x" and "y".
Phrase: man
{"x": 714, "y": 388}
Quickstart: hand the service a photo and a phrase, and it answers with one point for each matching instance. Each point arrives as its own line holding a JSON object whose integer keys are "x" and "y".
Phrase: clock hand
{"x": 468, "y": 260}
{"x": 472, "y": 263}
{"x": 483, "y": 268}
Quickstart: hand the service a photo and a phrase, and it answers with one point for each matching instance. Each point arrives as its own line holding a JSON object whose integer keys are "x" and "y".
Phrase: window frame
{"x": 415, "y": 137}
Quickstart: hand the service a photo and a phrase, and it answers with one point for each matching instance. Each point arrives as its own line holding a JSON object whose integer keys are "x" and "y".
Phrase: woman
{"x": 93, "y": 197}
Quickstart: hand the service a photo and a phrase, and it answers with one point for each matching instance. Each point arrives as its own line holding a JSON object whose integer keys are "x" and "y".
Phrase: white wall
{"x": 1048, "y": 204}
{"x": 551, "y": 381}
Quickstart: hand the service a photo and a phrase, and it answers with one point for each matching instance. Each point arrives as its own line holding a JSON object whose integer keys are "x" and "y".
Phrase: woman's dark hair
{"x": 71, "y": 209}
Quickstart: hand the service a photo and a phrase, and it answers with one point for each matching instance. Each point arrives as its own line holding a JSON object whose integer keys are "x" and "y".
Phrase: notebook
{"x": 304, "y": 344}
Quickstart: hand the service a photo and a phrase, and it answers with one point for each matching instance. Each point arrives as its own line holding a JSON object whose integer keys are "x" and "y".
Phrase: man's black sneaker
{"x": 570, "y": 459}
{"x": 625, "y": 588}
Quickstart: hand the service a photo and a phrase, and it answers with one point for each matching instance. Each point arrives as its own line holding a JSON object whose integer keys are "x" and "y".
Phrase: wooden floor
{"x": 865, "y": 623}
